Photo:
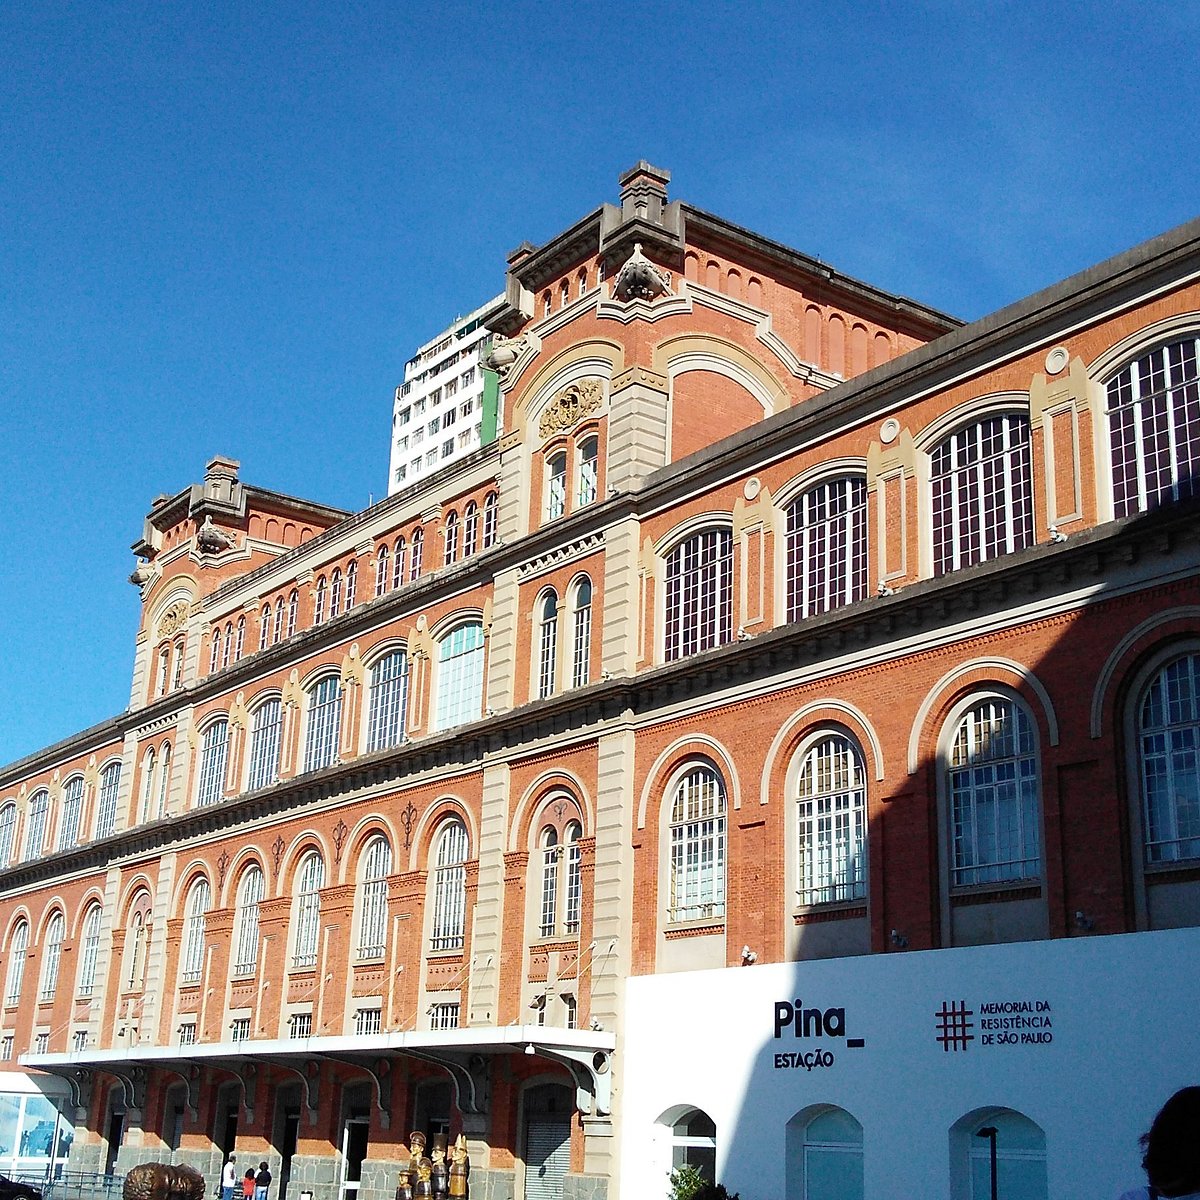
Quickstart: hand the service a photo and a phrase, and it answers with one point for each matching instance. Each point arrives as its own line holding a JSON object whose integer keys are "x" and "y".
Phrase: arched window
{"x": 214, "y": 658}
{"x": 589, "y": 458}
{"x": 699, "y": 596}
{"x": 1020, "y": 1157}
{"x": 1168, "y": 738}
{"x": 460, "y": 676}
{"x": 106, "y": 810}
{"x": 214, "y": 752}
{"x": 825, "y": 1155}
{"x": 265, "y": 732}
{"x": 551, "y": 852}
{"x": 982, "y": 493}
{"x": 992, "y": 785}
{"x": 547, "y": 643}
{"x": 250, "y": 892}
{"x": 418, "y": 553}
{"x": 382, "y": 570}
{"x": 694, "y": 1143}
{"x": 545, "y": 304}
{"x": 324, "y": 723}
{"x": 192, "y": 962}
{"x": 1154, "y": 428}
{"x": 451, "y": 533}
{"x": 164, "y": 779}
{"x": 308, "y": 909}
{"x": 375, "y": 866}
{"x": 351, "y": 584}
{"x": 581, "y": 633}
{"x": 293, "y": 614}
{"x": 72, "y": 806}
{"x": 827, "y": 547}
{"x": 147, "y": 783}
{"x": 177, "y": 680}
{"x": 8, "y": 832}
{"x": 164, "y": 671}
{"x": 697, "y": 831}
{"x": 449, "y": 887}
{"x": 134, "y": 974}
{"x": 227, "y": 652}
{"x": 831, "y": 818}
{"x": 388, "y": 701}
{"x": 335, "y": 593}
{"x": 319, "y": 600}
{"x": 491, "y": 506}
{"x": 264, "y": 627}
{"x": 401, "y": 559}
{"x": 470, "y": 529}
{"x": 277, "y": 632}
{"x": 581, "y": 280}
{"x": 90, "y": 951}
{"x": 574, "y": 883}
{"x": 240, "y": 645}
{"x": 52, "y": 942}
{"x": 18, "y": 949}
{"x": 556, "y": 485}
{"x": 35, "y": 833}
{"x": 564, "y": 293}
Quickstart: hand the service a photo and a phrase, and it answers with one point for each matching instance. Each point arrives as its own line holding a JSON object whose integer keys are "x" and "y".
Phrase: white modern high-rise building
{"x": 439, "y": 409}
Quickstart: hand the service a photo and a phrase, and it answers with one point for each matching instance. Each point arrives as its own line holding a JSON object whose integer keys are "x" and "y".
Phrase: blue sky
{"x": 223, "y": 228}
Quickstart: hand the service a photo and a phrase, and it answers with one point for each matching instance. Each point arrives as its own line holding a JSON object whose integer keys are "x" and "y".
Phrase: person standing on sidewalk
{"x": 262, "y": 1181}
{"x": 229, "y": 1177}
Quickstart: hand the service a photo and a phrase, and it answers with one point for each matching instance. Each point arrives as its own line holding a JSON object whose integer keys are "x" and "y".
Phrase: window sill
{"x": 686, "y": 929}
{"x": 1173, "y": 872}
{"x": 996, "y": 893}
{"x": 832, "y": 910}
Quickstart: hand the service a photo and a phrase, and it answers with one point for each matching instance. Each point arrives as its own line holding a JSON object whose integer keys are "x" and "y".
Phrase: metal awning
{"x": 465, "y": 1054}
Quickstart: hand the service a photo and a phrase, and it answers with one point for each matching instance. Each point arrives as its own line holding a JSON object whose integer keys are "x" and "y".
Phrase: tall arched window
{"x": 470, "y": 529}
{"x": 574, "y": 883}
{"x": 134, "y": 974}
{"x": 18, "y": 950}
{"x": 227, "y": 651}
{"x": 324, "y": 723}
{"x": 451, "y": 534}
{"x": 148, "y": 783}
{"x": 264, "y": 626}
{"x": 164, "y": 779}
{"x": 335, "y": 593}
{"x": 177, "y": 676}
{"x": 8, "y": 832}
{"x": 293, "y": 612}
{"x": 375, "y": 867}
{"x": 35, "y": 833}
{"x": 308, "y": 909}
{"x": 547, "y": 644}
{"x": 240, "y": 645}
{"x": 697, "y": 831}
{"x": 491, "y": 513}
{"x": 449, "y": 887}
{"x": 106, "y": 809}
{"x": 827, "y": 547}
{"x": 192, "y": 962}
{"x": 699, "y": 594}
{"x": 388, "y": 701}
{"x": 831, "y": 820}
{"x": 214, "y": 658}
{"x": 827, "y": 1162}
{"x": 460, "y": 676}
{"x": 400, "y": 562}
{"x": 581, "y": 633}
{"x": 214, "y": 752}
{"x": 90, "y": 951}
{"x": 1168, "y": 737}
{"x": 72, "y": 806}
{"x": 250, "y": 892}
{"x": 164, "y": 670}
{"x": 52, "y": 942}
{"x": 351, "y": 584}
{"x": 277, "y": 631}
{"x": 1154, "y": 428}
{"x": 982, "y": 493}
{"x": 417, "y": 555}
{"x": 556, "y": 485}
{"x": 319, "y": 600}
{"x": 266, "y": 729}
{"x": 383, "y": 561}
{"x": 551, "y": 852}
{"x": 589, "y": 459}
{"x": 992, "y": 785}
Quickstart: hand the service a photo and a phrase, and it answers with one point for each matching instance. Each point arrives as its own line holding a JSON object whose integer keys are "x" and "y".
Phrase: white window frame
{"x": 451, "y": 848}
{"x": 323, "y": 725}
{"x": 697, "y": 849}
{"x": 214, "y": 759}
{"x": 375, "y": 867}
{"x": 191, "y": 962}
{"x": 830, "y": 799}
{"x": 460, "y": 675}
{"x": 250, "y": 892}
{"x": 310, "y": 881}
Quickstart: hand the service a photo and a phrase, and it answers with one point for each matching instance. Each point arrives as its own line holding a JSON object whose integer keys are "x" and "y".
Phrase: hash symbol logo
{"x": 953, "y": 1025}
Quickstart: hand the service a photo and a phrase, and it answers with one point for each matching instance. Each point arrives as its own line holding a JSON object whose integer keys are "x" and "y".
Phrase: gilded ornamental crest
{"x": 570, "y": 406}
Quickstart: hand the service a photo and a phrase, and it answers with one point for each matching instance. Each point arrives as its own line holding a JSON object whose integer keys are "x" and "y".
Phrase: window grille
{"x": 451, "y": 530}
{"x": 827, "y": 547}
{"x": 35, "y": 835}
{"x": 52, "y": 957}
{"x": 91, "y": 951}
{"x": 400, "y": 559}
{"x": 164, "y": 778}
{"x": 324, "y": 723}
{"x": 319, "y": 601}
{"x": 581, "y": 655}
{"x": 571, "y": 1010}
{"x": 697, "y": 833}
{"x": 994, "y": 802}
{"x": 418, "y": 553}
{"x": 72, "y": 804}
{"x": 551, "y": 851}
{"x": 450, "y": 883}
{"x": 308, "y": 915}
{"x": 574, "y": 879}
{"x": 106, "y": 810}
{"x": 300, "y": 1026}
{"x": 277, "y": 631}
{"x": 699, "y": 601}
{"x": 240, "y": 647}
{"x": 41, "y": 1043}
{"x": 249, "y": 895}
{"x": 214, "y": 657}
{"x": 193, "y": 932}
{"x": 444, "y": 1015}
{"x": 147, "y": 782}
{"x": 460, "y": 676}
{"x": 239, "y": 1029}
{"x": 831, "y": 822}
{"x": 227, "y": 652}
{"x": 470, "y": 529}
{"x": 372, "y": 930}
{"x": 556, "y": 487}
{"x": 388, "y": 701}
{"x": 1169, "y": 750}
{"x": 335, "y": 593}
{"x": 264, "y": 627}
{"x": 8, "y": 829}
{"x": 351, "y": 585}
{"x": 548, "y": 646}
{"x": 18, "y": 951}
{"x": 1154, "y": 428}
{"x": 368, "y": 1021}
{"x": 213, "y": 757}
{"x": 589, "y": 455}
{"x": 491, "y": 505}
{"x": 187, "y": 1033}
{"x": 293, "y": 615}
{"x": 6, "y": 1047}
{"x": 79, "y": 1040}
{"x": 382, "y": 570}
{"x": 265, "y": 733}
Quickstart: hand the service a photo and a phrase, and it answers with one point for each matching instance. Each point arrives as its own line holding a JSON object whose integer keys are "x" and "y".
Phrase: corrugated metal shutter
{"x": 547, "y": 1158}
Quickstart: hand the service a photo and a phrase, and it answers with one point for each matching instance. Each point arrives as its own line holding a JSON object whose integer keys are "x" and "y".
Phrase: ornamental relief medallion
{"x": 173, "y": 619}
{"x": 570, "y": 406}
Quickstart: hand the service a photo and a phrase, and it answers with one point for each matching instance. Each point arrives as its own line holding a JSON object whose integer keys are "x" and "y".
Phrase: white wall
{"x": 1124, "y": 1031}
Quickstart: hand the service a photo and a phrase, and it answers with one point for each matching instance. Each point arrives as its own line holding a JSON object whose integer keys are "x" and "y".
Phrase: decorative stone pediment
{"x": 640, "y": 279}
{"x": 570, "y": 406}
{"x": 174, "y": 619}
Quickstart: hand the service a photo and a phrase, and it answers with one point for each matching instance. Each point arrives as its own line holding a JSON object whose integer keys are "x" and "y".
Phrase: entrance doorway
{"x": 116, "y": 1131}
{"x": 287, "y": 1133}
{"x": 354, "y": 1150}
{"x": 547, "y": 1150}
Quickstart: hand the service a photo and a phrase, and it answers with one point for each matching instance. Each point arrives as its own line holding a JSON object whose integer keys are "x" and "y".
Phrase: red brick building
{"x": 786, "y": 620}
